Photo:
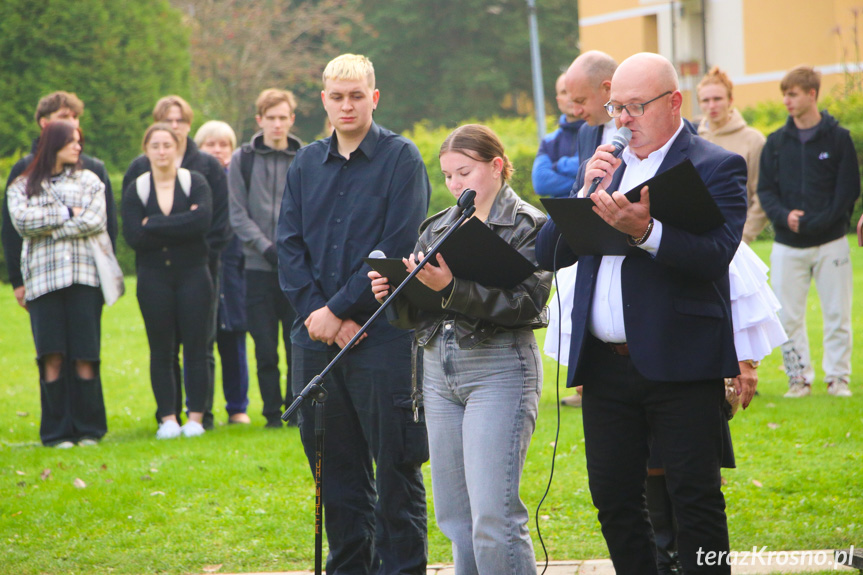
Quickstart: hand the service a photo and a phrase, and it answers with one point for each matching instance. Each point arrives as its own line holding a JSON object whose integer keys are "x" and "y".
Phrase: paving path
{"x": 747, "y": 563}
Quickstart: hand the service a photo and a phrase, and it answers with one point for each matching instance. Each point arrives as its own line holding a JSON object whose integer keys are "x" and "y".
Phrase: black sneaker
{"x": 274, "y": 422}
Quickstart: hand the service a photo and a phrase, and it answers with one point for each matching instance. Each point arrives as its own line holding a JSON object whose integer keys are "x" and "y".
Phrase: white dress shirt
{"x": 609, "y": 130}
{"x": 606, "y": 315}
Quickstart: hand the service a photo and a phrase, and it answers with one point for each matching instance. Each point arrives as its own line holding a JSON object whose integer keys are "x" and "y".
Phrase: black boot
{"x": 56, "y": 424}
{"x": 664, "y": 525}
{"x": 88, "y": 406}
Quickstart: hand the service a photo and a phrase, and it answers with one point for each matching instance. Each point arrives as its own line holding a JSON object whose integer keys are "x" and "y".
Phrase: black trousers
{"x": 176, "y": 300}
{"x": 266, "y": 308}
{"x": 68, "y": 322}
{"x": 374, "y": 496}
{"x": 622, "y": 411}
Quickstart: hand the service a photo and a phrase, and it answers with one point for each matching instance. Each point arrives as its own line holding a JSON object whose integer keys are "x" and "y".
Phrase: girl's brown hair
{"x": 478, "y": 142}
{"x": 158, "y": 127}
{"x": 54, "y": 138}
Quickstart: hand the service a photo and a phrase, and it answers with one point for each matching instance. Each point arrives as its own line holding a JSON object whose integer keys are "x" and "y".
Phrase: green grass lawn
{"x": 242, "y": 497}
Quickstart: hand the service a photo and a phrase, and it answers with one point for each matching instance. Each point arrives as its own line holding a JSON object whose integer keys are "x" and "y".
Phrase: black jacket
{"x": 12, "y": 241}
{"x": 196, "y": 161}
{"x": 479, "y": 311}
{"x": 820, "y": 177}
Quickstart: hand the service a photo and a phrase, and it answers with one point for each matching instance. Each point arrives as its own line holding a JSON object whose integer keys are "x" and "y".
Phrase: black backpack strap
{"x": 247, "y": 162}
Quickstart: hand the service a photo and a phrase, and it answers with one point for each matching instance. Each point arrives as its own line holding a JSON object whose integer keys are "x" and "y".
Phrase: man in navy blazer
{"x": 652, "y": 336}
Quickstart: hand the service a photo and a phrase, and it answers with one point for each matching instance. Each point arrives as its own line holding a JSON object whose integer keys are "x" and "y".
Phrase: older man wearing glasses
{"x": 652, "y": 336}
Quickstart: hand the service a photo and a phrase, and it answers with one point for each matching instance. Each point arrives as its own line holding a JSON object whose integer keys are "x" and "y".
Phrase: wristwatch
{"x": 753, "y": 363}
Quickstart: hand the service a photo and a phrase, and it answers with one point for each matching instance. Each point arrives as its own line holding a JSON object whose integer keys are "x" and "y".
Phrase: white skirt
{"x": 757, "y": 329}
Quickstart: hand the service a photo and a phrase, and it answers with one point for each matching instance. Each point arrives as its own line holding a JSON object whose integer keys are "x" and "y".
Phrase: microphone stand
{"x": 315, "y": 388}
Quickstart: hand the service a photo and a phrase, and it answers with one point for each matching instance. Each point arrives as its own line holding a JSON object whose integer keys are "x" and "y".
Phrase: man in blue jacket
{"x": 652, "y": 337}
{"x": 556, "y": 163}
{"x": 809, "y": 182}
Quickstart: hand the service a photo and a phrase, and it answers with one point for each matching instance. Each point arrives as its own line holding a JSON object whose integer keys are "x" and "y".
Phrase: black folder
{"x": 678, "y": 197}
{"x": 473, "y": 252}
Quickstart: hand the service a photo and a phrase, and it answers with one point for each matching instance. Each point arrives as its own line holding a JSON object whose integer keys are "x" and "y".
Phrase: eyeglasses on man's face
{"x": 634, "y": 110}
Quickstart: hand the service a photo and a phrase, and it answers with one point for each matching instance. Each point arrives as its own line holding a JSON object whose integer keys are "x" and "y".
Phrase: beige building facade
{"x": 755, "y": 41}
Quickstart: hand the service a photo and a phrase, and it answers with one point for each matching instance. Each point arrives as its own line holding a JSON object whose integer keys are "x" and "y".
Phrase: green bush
{"x": 519, "y": 140}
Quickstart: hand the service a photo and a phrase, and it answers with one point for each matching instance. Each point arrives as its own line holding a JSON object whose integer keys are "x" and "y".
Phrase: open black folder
{"x": 678, "y": 197}
{"x": 473, "y": 252}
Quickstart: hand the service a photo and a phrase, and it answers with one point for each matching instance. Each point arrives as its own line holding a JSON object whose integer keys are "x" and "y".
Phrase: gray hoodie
{"x": 255, "y": 211}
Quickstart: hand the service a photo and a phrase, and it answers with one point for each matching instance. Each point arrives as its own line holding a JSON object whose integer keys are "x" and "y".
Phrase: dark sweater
{"x": 176, "y": 239}
{"x": 820, "y": 177}
{"x": 12, "y": 241}
{"x": 194, "y": 160}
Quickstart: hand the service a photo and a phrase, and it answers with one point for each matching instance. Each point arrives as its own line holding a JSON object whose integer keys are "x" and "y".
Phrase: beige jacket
{"x": 736, "y": 136}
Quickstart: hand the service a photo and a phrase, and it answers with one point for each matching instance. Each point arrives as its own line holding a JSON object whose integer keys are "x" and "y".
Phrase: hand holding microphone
{"x": 380, "y": 284}
{"x": 604, "y": 162}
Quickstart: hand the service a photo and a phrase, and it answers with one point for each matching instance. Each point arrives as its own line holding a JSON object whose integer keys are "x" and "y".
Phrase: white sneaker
{"x": 88, "y": 442}
{"x": 63, "y": 445}
{"x": 838, "y": 388}
{"x": 798, "y": 389}
{"x": 168, "y": 430}
{"x": 192, "y": 429}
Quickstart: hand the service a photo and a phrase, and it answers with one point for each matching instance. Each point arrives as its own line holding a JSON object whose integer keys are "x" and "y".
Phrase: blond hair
{"x": 273, "y": 97}
{"x": 716, "y": 76}
{"x": 164, "y": 105}
{"x": 350, "y": 67}
{"x": 215, "y": 129}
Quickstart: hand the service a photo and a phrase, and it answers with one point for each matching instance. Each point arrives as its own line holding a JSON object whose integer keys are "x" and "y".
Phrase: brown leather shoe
{"x": 242, "y": 418}
{"x": 571, "y": 401}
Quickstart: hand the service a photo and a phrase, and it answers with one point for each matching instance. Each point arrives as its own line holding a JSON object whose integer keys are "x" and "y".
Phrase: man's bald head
{"x": 644, "y": 78}
{"x": 588, "y": 81}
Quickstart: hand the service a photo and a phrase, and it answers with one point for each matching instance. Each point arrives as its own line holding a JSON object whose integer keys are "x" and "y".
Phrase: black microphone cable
{"x": 557, "y": 403}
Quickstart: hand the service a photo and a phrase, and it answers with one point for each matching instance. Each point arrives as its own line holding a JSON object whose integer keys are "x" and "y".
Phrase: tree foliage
{"x": 118, "y": 57}
{"x": 444, "y": 61}
{"x": 239, "y": 48}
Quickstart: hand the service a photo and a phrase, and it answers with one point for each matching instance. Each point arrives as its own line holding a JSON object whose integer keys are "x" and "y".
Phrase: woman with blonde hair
{"x": 482, "y": 368}
{"x": 219, "y": 140}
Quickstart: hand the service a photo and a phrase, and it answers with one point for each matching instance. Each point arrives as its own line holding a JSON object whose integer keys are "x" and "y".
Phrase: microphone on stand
{"x": 620, "y": 141}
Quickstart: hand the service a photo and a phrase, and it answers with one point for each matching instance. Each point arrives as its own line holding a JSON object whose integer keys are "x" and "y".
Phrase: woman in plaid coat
{"x": 55, "y": 205}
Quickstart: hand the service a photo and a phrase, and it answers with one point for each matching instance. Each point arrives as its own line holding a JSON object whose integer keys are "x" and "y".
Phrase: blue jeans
{"x": 374, "y": 497}
{"x": 481, "y": 407}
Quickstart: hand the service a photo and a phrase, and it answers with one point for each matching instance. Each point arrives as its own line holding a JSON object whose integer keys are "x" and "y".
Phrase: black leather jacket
{"x": 479, "y": 311}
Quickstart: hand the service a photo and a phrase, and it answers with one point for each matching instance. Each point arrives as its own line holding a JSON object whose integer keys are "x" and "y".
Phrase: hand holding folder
{"x": 473, "y": 252}
{"x": 678, "y": 197}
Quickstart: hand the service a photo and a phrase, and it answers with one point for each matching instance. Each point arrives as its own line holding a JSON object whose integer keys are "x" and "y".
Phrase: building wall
{"x": 755, "y": 41}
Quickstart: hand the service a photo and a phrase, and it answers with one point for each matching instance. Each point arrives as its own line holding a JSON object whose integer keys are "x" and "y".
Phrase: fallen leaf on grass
{"x": 757, "y": 483}
{"x": 146, "y": 478}
{"x": 17, "y": 513}
{"x": 79, "y": 483}
{"x": 109, "y": 481}
{"x": 773, "y": 425}
{"x": 46, "y": 473}
{"x": 21, "y": 413}
{"x": 158, "y": 493}
{"x": 20, "y": 472}
{"x": 104, "y": 467}
{"x": 724, "y": 481}
{"x": 211, "y": 568}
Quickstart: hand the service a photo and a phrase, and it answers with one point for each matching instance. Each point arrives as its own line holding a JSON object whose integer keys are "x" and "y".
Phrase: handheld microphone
{"x": 620, "y": 141}
{"x": 391, "y": 312}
